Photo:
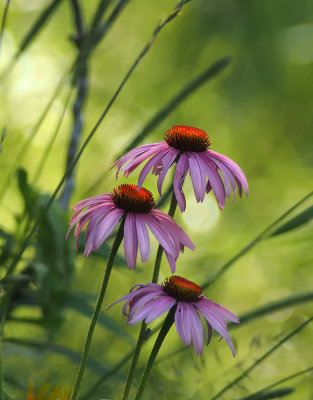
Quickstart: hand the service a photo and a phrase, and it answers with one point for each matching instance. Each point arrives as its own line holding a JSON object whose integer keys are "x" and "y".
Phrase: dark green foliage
{"x": 7, "y": 243}
{"x": 53, "y": 262}
{"x": 302, "y": 218}
{"x": 53, "y": 348}
{"x": 28, "y": 192}
{"x": 83, "y": 304}
{"x": 274, "y": 394}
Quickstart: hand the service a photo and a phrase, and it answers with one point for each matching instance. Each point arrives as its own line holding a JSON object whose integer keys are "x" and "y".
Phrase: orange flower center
{"x": 129, "y": 198}
{"x": 187, "y": 138}
{"x": 182, "y": 289}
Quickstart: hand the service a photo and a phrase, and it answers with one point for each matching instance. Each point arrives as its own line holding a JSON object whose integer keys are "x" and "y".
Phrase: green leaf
{"x": 7, "y": 244}
{"x": 53, "y": 263}
{"x": 80, "y": 302}
{"x": 61, "y": 350}
{"x": 300, "y": 219}
{"x": 274, "y": 394}
{"x": 28, "y": 192}
{"x": 7, "y": 396}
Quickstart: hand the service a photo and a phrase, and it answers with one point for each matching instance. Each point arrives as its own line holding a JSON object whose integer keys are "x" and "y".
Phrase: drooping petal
{"x": 210, "y": 332}
{"x": 235, "y": 170}
{"x": 106, "y": 226}
{"x": 167, "y": 162}
{"x": 147, "y": 310}
{"x": 143, "y": 237}
{"x": 149, "y": 165}
{"x": 182, "y": 323}
{"x": 141, "y": 300}
{"x": 197, "y": 173}
{"x": 98, "y": 233}
{"x": 223, "y": 311}
{"x": 130, "y": 240}
{"x": 179, "y": 177}
{"x": 161, "y": 235}
{"x": 161, "y": 308}
{"x": 195, "y": 328}
{"x": 215, "y": 181}
{"x": 216, "y": 321}
{"x": 171, "y": 261}
{"x": 174, "y": 229}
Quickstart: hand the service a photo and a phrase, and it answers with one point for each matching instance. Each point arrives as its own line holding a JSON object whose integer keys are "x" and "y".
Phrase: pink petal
{"x": 215, "y": 181}
{"x": 167, "y": 162}
{"x": 160, "y": 308}
{"x": 223, "y": 311}
{"x": 234, "y": 168}
{"x": 161, "y": 235}
{"x": 143, "y": 238}
{"x": 182, "y": 323}
{"x": 173, "y": 229}
{"x": 107, "y": 224}
{"x": 130, "y": 240}
{"x": 172, "y": 261}
{"x": 133, "y": 164}
{"x": 133, "y": 154}
{"x": 141, "y": 300}
{"x": 149, "y": 165}
{"x": 196, "y": 329}
{"x": 197, "y": 173}
{"x": 146, "y": 310}
{"x": 179, "y": 177}
{"x": 98, "y": 233}
{"x": 217, "y": 323}
{"x": 101, "y": 198}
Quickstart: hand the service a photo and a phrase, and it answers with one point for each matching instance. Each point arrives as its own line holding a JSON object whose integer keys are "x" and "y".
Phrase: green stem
{"x": 117, "y": 241}
{"x": 142, "y": 332}
{"x": 133, "y": 365}
{"x": 169, "y": 320}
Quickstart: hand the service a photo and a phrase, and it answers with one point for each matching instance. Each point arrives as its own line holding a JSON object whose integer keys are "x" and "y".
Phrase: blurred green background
{"x": 258, "y": 112}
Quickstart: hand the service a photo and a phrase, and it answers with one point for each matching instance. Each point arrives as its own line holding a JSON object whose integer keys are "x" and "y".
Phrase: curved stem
{"x": 169, "y": 320}
{"x": 117, "y": 241}
{"x": 142, "y": 332}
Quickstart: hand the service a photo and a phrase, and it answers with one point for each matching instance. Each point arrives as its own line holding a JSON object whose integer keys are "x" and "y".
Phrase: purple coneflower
{"x": 188, "y": 147}
{"x": 104, "y": 212}
{"x": 148, "y": 302}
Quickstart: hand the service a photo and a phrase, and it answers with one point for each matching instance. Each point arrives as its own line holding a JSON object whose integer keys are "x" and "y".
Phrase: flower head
{"x": 148, "y": 302}
{"x": 189, "y": 148}
{"x": 104, "y": 212}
